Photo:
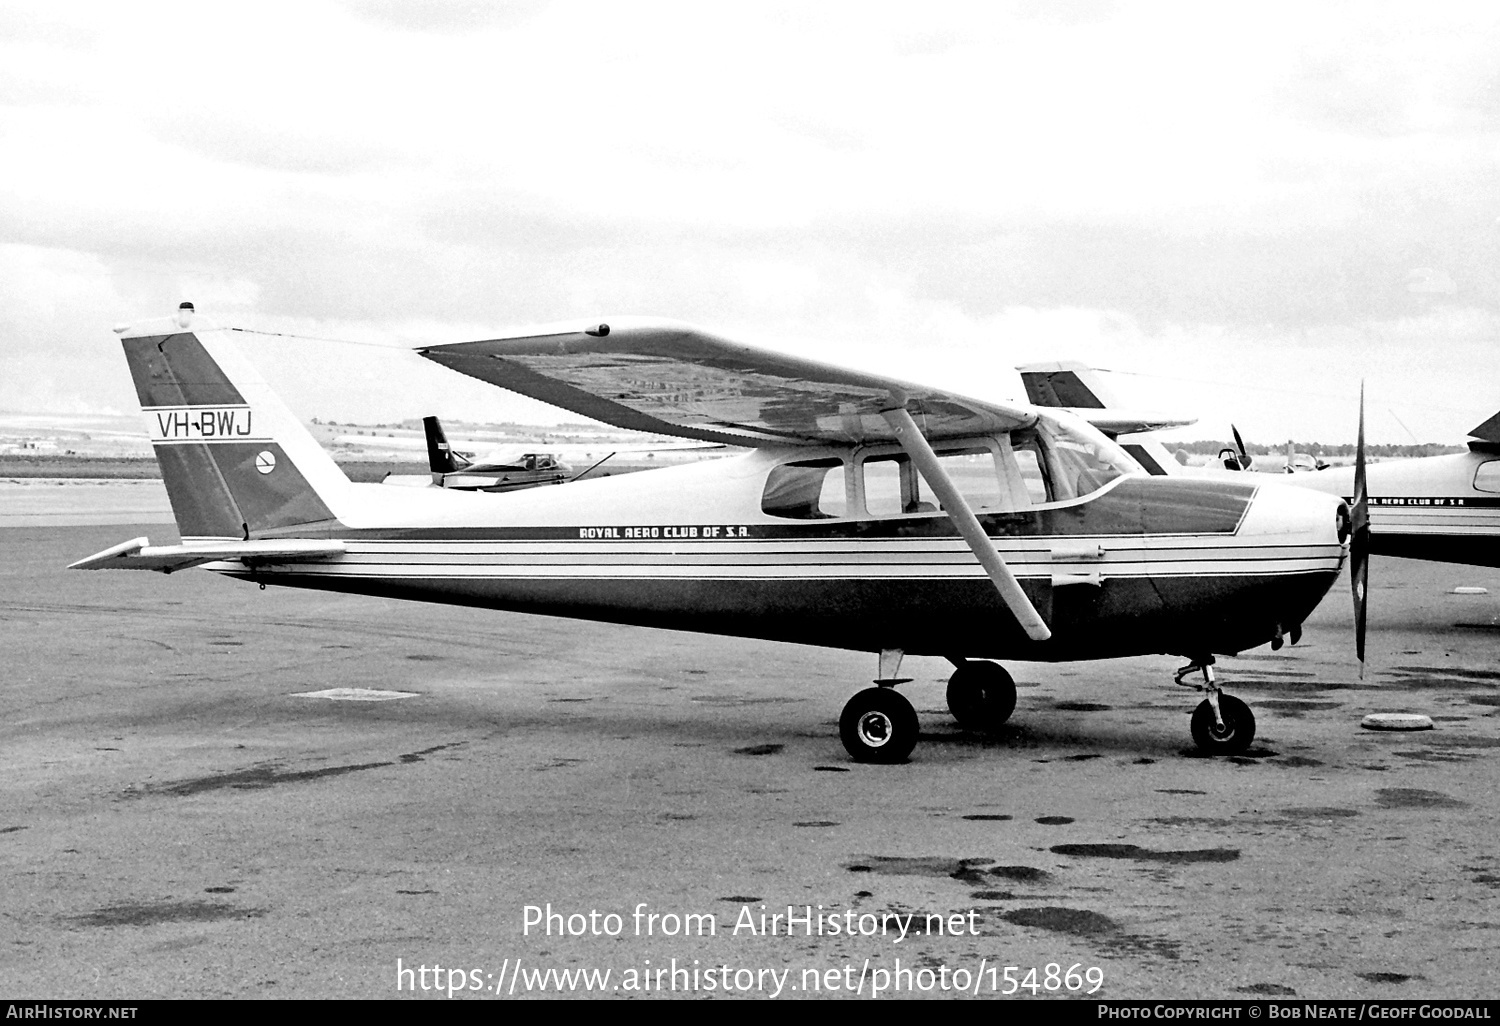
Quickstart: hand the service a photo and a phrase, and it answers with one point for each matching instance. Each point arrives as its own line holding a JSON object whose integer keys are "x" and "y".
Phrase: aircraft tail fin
{"x": 1066, "y": 384}
{"x": 236, "y": 462}
{"x": 441, "y": 459}
{"x": 1489, "y": 432}
{"x": 1080, "y": 388}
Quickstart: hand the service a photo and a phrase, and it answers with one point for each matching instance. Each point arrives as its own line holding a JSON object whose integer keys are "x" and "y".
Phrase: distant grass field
{"x": 145, "y": 467}
{"x": 132, "y": 467}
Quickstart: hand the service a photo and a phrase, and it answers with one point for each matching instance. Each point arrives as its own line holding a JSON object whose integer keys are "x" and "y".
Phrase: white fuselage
{"x": 1142, "y": 565}
{"x": 1444, "y": 508}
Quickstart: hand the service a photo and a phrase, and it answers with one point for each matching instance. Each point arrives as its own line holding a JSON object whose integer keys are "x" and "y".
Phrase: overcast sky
{"x": 1243, "y": 209}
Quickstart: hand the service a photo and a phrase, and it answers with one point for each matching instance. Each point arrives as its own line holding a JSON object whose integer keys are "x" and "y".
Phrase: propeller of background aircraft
{"x": 1239, "y": 444}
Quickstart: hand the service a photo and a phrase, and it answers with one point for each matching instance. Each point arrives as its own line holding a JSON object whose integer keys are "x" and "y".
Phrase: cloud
{"x": 1431, "y": 281}
{"x": 1184, "y": 187}
{"x": 447, "y": 15}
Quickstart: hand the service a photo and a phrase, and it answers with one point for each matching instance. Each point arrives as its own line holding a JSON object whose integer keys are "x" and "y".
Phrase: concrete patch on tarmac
{"x": 356, "y": 694}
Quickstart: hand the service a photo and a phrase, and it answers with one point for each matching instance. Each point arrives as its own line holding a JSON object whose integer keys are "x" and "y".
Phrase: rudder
{"x": 235, "y": 461}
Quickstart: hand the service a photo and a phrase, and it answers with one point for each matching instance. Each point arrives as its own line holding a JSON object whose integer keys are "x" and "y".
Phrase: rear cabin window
{"x": 807, "y": 490}
{"x": 1487, "y": 477}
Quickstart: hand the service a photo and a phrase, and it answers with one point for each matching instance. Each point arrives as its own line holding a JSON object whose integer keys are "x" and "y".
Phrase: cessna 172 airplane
{"x": 871, "y": 514}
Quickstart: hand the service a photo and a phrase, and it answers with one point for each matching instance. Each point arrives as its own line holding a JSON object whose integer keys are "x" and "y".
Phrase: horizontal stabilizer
{"x": 140, "y": 554}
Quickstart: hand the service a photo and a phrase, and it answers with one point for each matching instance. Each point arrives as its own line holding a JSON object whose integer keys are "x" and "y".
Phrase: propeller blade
{"x": 1359, "y": 539}
{"x": 1240, "y": 444}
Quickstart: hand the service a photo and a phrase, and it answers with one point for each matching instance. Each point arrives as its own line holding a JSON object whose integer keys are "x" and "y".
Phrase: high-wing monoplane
{"x": 449, "y": 468}
{"x": 870, "y": 514}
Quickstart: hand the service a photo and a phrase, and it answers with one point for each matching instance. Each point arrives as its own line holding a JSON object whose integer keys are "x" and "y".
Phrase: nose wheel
{"x": 1222, "y": 724}
{"x": 1228, "y": 733}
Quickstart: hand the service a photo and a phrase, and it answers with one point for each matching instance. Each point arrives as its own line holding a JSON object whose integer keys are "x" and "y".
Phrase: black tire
{"x": 981, "y": 696}
{"x": 879, "y": 725}
{"x": 1236, "y": 734}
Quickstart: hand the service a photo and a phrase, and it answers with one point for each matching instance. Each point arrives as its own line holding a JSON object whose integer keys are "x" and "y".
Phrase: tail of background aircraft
{"x": 1078, "y": 387}
{"x": 1069, "y": 385}
{"x": 237, "y": 464}
{"x": 441, "y": 459}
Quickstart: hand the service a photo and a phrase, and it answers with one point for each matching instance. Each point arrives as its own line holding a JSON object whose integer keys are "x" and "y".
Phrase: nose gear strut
{"x": 1222, "y": 724}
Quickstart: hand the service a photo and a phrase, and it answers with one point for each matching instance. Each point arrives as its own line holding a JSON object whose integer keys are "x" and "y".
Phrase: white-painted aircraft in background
{"x": 870, "y": 514}
{"x": 1440, "y": 508}
{"x": 449, "y": 468}
{"x": 497, "y": 471}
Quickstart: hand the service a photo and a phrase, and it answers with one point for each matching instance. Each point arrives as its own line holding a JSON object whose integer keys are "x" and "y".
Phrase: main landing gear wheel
{"x": 1230, "y": 738}
{"x": 981, "y": 696}
{"x": 879, "y": 725}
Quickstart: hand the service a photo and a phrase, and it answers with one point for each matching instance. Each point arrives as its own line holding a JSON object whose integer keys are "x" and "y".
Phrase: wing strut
{"x": 963, "y": 518}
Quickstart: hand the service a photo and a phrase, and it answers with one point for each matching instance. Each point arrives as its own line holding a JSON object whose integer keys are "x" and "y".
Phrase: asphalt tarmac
{"x": 177, "y": 821}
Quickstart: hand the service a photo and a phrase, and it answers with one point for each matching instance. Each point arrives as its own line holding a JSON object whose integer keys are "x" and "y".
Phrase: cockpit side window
{"x": 892, "y": 485}
{"x": 972, "y": 472}
{"x": 806, "y": 490}
{"x": 1487, "y": 476}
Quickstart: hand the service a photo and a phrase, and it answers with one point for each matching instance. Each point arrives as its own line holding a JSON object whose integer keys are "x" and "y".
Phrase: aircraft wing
{"x": 671, "y": 379}
{"x": 140, "y": 554}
